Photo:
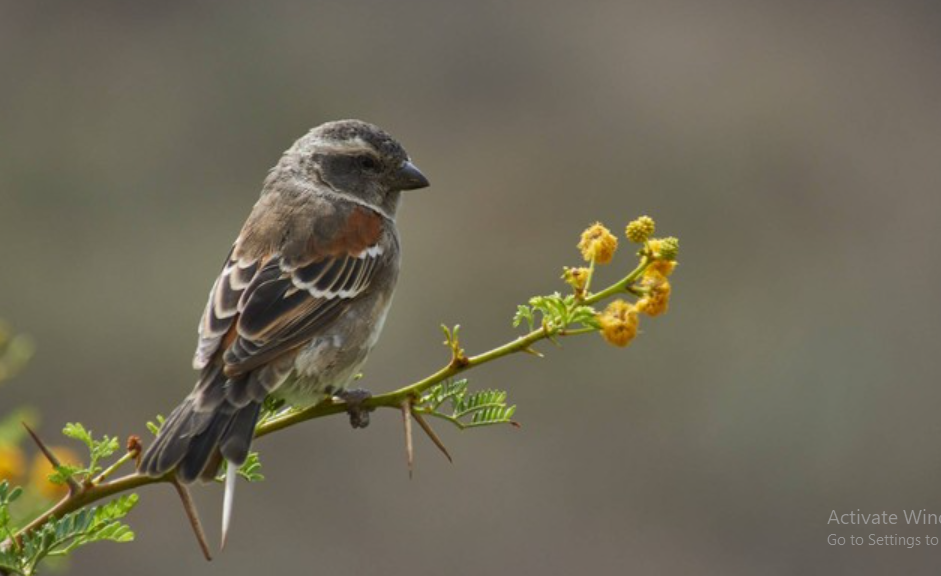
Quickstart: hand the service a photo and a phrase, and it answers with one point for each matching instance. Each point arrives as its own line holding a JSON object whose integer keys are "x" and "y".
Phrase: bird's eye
{"x": 367, "y": 162}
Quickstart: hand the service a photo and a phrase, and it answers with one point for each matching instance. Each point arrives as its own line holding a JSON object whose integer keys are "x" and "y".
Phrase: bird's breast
{"x": 331, "y": 361}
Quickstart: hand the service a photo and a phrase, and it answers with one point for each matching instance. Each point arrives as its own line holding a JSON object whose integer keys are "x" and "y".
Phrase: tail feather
{"x": 171, "y": 443}
{"x": 204, "y": 427}
{"x": 237, "y": 439}
{"x": 217, "y": 420}
{"x": 191, "y": 440}
{"x": 202, "y": 447}
{"x": 231, "y": 474}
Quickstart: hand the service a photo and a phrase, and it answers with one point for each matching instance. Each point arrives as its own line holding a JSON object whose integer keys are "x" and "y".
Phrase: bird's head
{"x": 357, "y": 159}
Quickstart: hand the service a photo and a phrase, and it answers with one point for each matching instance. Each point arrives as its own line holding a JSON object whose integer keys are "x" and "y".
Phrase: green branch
{"x": 566, "y": 316}
{"x": 395, "y": 398}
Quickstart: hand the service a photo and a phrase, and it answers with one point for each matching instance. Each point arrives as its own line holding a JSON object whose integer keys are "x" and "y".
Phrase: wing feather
{"x": 261, "y": 308}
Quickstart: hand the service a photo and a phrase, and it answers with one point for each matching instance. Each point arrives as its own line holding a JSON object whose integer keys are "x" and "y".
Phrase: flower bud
{"x": 640, "y": 230}
{"x": 577, "y": 278}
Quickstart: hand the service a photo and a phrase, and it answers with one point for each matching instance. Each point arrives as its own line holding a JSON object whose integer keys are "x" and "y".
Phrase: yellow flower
{"x": 12, "y": 463}
{"x": 657, "y": 299}
{"x": 640, "y": 230}
{"x": 598, "y": 244}
{"x": 660, "y": 268}
{"x": 42, "y": 468}
{"x": 577, "y": 278}
{"x": 618, "y": 323}
{"x": 655, "y": 303}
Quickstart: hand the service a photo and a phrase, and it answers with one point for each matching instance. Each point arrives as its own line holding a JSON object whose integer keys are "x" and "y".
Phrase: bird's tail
{"x": 196, "y": 437}
{"x": 202, "y": 431}
{"x": 194, "y": 442}
{"x": 207, "y": 427}
{"x": 215, "y": 422}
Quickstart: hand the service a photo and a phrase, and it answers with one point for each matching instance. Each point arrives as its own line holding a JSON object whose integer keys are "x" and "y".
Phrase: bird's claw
{"x": 354, "y": 399}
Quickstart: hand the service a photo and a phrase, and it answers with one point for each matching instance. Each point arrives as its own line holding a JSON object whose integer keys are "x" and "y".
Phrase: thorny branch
{"x": 401, "y": 399}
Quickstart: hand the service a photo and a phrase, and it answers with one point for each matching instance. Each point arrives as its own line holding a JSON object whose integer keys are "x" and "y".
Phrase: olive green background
{"x": 794, "y": 147}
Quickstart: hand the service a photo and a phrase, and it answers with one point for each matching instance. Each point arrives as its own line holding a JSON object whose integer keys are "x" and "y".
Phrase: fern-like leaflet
{"x": 59, "y": 537}
{"x": 451, "y": 401}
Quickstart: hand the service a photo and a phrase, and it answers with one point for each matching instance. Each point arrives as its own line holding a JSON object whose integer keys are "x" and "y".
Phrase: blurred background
{"x": 793, "y": 147}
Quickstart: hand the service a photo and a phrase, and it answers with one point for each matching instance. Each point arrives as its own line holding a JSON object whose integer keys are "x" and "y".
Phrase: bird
{"x": 301, "y": 299}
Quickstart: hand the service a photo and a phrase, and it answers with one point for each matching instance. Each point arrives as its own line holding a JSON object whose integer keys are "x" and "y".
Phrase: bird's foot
{"x": 354, "y": 398}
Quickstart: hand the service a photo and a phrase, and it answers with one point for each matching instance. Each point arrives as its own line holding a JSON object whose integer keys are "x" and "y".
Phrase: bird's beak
{"x": 410, "y": 178}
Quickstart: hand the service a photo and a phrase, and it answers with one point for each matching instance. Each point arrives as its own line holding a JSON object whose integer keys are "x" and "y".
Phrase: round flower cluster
{"x": 619, "y": 323}
{"x": 598, "y": 244}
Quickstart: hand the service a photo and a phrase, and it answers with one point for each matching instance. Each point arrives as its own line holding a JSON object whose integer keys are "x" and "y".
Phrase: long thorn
{"x": 533, "y": 351}
{"x": 407, "y": 421}
{"x": 432, "y": 435}
{"x": 74, "y": 488}
{"x": 193, "y": 515}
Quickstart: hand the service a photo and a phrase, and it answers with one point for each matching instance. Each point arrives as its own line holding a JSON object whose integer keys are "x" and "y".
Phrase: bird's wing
{"x": 263, "y": 306}
{"x": 270, "y": 299}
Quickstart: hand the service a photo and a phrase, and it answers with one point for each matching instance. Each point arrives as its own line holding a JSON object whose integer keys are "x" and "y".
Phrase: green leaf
{"x": 273, "y": 405}
{"x": 106, "y": 447}
{"x": 154, "y": 427}
{"x": 63, "y": 473}
{"x": 272, "y": 409}
{"x": 98, "y": 449}
{"x": 59, "y": 537}
{"x": 553, "y": 308}
{"x": 76, "y": 431}
{"x": 524, "y": 312}
{"x": 586, "y": 316}
{"x": 451, "y": 401}
{"x": 438, "y": 394}
{"x": 561, "y": 312}
{"x": 250, "y": 470}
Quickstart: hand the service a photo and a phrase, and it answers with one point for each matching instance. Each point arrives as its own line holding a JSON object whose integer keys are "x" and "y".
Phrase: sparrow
{"x": 300, "y": 301}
